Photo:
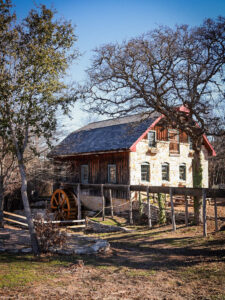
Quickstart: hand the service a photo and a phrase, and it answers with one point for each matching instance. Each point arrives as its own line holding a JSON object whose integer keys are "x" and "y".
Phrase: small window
{"x": 182, "y": 171}
{"x": 84, "y": 174}
{"x": 165, "y": 171}
{"x": 112, "y": 173}
{"x": 152, "y": 138}
{"x": 173, "y": 136}
{"x": 190, "y": 143}
{"x": 145, "y": 172}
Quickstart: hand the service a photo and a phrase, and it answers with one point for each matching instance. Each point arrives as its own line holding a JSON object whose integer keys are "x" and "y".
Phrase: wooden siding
{"x": 162, "y": 134}
{"x": 98, "y": 167}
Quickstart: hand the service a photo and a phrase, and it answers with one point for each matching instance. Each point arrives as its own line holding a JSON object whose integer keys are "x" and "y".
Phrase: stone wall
{"x": 95, "y": 203}
{"x": 143, "y": 154}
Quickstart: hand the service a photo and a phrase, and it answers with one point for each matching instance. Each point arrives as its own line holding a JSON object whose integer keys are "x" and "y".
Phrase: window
{"x": 190, "y": 143}
{"x": 112, "y": 173}
{"x": 152, "y": 139}
{"x": 173, "y": 135}
{"x": 182, "y": 171}
{"x": 165, "y": 171}
{"x": 145, "y": 172}
{"x": 84, "y": 174}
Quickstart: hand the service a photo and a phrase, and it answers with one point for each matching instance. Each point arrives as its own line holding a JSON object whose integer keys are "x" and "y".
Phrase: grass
{"x": 140, "y": 273}
{"x": 111, "y": 221}
{"x": 22, "y": 270}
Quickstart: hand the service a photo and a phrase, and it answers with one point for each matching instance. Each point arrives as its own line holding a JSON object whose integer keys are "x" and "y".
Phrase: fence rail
{"x": 10, "y": 220}
{"x": 171, "y": 191}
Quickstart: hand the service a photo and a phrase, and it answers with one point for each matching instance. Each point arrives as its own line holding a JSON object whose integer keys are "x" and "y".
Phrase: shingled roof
{"x": 108, "y": 135}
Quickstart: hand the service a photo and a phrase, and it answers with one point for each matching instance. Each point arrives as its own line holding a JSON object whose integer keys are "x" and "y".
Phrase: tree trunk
{"x": 197, "y": 183}
{"x": 1, "y": 202}
{"x": 33, "y": 236}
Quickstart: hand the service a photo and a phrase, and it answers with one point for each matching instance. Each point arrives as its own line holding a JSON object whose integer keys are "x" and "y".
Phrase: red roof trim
{"x": 208, "y": 144}
{"x": 133, "y": 147}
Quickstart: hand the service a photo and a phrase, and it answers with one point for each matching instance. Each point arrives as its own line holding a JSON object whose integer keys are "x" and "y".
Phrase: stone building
{"x": 130, "y": 150}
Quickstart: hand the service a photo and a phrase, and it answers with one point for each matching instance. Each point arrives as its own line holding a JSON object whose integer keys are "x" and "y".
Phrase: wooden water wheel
{"x": 63, "y": 203}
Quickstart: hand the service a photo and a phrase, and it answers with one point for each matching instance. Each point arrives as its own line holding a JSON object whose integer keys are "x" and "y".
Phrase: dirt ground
{"x": 142, "y": 264}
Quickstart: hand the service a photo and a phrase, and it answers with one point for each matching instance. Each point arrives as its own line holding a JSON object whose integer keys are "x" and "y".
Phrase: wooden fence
{"x": 171, "y": 191}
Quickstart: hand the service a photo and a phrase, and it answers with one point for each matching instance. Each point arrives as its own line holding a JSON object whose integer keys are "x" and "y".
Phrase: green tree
{"x": 35, "y": 54}
{"x": 162, "y": 70}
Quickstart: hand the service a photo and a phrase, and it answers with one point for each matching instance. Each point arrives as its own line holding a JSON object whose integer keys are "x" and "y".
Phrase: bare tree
{"x": 162, "y": 70}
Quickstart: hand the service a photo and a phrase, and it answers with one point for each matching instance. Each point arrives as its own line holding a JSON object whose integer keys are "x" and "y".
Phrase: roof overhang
{"x": 89, "y": 153}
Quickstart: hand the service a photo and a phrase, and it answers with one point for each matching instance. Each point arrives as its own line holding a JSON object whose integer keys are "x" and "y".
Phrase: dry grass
{"x": 144, "y": 264}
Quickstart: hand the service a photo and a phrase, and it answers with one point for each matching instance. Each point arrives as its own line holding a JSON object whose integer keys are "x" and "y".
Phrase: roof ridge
{"x": 113, "y": 121}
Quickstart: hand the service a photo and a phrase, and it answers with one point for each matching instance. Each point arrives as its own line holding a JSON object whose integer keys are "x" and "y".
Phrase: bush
{"x": 49, "y": 234}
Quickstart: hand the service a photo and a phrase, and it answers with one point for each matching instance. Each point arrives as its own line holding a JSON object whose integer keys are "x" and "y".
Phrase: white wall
{"x": 156, "y": 160}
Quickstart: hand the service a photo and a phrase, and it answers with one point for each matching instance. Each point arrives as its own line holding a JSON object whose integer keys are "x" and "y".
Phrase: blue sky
{"x": 103, "y": 21}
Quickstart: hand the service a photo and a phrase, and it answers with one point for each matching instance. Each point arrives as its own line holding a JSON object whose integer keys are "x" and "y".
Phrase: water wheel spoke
{"x": 55, "y": 200}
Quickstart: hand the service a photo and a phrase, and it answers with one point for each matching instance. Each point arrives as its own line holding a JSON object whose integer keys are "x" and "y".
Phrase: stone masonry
{"x": 143, "y": 154}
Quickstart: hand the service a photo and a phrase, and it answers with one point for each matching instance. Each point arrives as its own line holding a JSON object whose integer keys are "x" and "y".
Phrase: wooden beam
{"x": 103, "y": 202}
{"x": 111, "y": 202}
{"x": 16, "y": 222}
{"x": 14, "y": 215}
{"x": 78, "y": 202}
{"x": 172, "y": 210}
{"x": 204, "y": 212}
{"x": 186, "y": 211}
{"x": 215, "y": 210}
{"x": 149, "y": 210}
{"x": 61, "y": 222}
{"x": 131, "y": 205}
{"x": 210, "y": 193}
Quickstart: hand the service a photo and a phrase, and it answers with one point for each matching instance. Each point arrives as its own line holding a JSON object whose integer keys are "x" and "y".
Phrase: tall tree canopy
{"x": 161, "y": 70}
{"x": 34, "y": 56}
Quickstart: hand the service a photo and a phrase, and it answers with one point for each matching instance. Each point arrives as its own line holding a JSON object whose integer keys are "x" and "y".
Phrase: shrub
{"x": 49, "y": 234}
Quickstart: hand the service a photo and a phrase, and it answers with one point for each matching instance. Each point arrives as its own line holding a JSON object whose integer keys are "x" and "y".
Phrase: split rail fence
{"x": 171, "y": 191}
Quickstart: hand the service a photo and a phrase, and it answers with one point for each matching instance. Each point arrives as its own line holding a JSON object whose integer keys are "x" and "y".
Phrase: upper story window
{"x": 112, "y": 173}
{"x": 165, "y": 172}
{"x": 182, "y": 172}
{"x": 145, "y": 172}
{"x": 190, "y": 143}
{"x": 84, "y": 174}
{"x": 152, "y": 138}
{"x": 173, "y": 136}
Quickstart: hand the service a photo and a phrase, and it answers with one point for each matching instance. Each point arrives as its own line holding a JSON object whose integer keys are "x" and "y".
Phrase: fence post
{"x": 186, "y": 210}
{"x": 78, "y": 202}
{"x": 149, "y": 209}
{"x": 131, "y": 206}
{"x": 172, "y": 210}
{"x": 215, "y": 210}
{"x": 103, "y": 202}
{"x": 204, "y": 213}
{"x": 111, "y": 202}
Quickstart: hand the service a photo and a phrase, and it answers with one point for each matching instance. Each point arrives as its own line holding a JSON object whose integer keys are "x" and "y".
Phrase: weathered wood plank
{"x": 186, "y": 211}
{"x": 215, "y": 210}
{"x": 14, "y": 215}
{"x": 111, "y": 202}
{"x": 103, "y": 202}
{"x": 149, "y": 210}
{"x": 204, "y": 212}
{"x": 78, "y": 202}
{"x": 131, "y": 206}
{"x": 172, "y": 210}
{"x": 210, "y": 193}
{"x": 14, "y": 221}
{"x": 62, "y": 222}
